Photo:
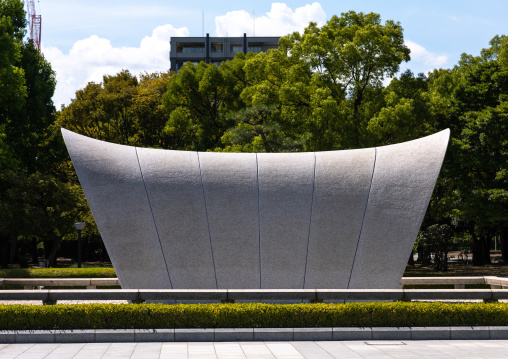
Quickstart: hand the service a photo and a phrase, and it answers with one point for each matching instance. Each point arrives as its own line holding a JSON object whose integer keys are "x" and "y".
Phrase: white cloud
{"x": 421, "y": 55}
{"x": 280, "y": 20}
{"x": 91, "y": 58}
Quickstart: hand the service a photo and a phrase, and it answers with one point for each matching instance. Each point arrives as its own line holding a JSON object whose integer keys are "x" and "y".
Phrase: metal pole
{"x": 79, "y": 249}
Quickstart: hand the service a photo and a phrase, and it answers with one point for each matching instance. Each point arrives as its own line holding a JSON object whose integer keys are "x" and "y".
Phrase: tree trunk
{"x": 445, "y": 263}
{"x": 52, "y": 253}
{"x": 33, "y": 249}
{"x": 47, "y": 246}
{"x": 4, "y": 252}
{"x": 477, "y": 251}
{"x": 486, "y": 249}
{"x": 12, "y": 254}
{"x": 481, "y": 250}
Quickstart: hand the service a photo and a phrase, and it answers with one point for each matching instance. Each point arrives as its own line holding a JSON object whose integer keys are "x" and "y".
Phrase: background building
{"x": 215, "y": 49}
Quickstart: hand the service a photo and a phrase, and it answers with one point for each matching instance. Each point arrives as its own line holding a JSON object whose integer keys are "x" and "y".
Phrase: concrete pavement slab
{"x": 311, "y": 350}
{"x": 434, "y": 349}
{"x": 92, "y": 351}
{"x": 38, "y": 351}
{"x": 147, "y": 351}
{"x": 66, "y": 350}
{"x": 119, "y": 351}
{"x": 256, "y": 350}
{"x": 204, "y": 350}
{"x": 229, "y": 351}
{"x": 174, "y": 350}
{"x": 15, "y": 349}
{"x": 284, "y": 350}
{"x": 338, "y": 350}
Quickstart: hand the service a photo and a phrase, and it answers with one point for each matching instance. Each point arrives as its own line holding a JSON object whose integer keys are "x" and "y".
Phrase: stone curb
{"x": 252, "y": 334}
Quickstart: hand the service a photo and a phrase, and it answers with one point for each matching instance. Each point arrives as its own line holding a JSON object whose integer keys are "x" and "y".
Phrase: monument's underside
{"x": 338, "y": 219}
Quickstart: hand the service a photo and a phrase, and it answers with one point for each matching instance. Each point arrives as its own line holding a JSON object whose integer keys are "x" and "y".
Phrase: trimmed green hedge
{"x": 250, "y": 315}
{"x": 98, "y": 272}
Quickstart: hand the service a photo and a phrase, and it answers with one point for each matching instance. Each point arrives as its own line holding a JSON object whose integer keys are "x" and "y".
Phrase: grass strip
{"x": 250, "y": 315}
{"x": 97, "y": 272}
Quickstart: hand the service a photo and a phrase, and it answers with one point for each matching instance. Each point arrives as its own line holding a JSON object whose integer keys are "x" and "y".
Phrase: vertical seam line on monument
{"x": 259, "y": 221}
{"x": 153, "y": 217}
{"x": 364, "y": 214}
{"x": 310, "y": 220}
{"x": 207, "y": 220}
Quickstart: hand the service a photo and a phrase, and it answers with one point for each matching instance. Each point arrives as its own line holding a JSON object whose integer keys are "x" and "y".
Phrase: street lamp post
{"x": 79, "y": 226}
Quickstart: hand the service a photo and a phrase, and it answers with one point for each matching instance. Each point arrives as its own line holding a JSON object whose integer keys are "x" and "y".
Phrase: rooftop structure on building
{"x": 214, "y": 50}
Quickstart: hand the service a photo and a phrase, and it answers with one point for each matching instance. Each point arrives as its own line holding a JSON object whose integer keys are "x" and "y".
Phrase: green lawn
{"x": 98, "y": 272}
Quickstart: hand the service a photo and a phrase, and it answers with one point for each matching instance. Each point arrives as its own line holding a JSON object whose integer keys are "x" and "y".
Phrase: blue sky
{"x": 87, "y": 39}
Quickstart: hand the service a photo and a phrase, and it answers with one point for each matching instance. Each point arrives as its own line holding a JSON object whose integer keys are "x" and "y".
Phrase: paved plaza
{"x": 435, "y": 349}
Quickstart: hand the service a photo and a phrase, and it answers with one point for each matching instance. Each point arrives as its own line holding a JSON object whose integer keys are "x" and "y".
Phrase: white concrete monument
{"x": 201, "y": 220}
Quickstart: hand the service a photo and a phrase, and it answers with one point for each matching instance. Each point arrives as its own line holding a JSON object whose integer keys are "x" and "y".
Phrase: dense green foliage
{"x": 250, "y": 315}
{"x": 39, "y": 196}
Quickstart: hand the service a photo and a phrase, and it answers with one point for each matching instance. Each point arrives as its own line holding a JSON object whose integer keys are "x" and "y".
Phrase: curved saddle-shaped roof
{"x": 181, "y": 219}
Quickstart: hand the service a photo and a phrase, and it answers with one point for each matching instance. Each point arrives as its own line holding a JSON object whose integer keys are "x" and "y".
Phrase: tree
{"x": 326, "y": 83}
{"x": 103, "y": 111}
{"x": 352, "y": 53}
{"x": 405, "y": 114}
{"x": 38, "y": 202}
{"x": 12, "y": 81}
{"x": 30, "y": 130}
{"x": 433, "y": 244}
{"x": 479, "y": 148}
{"x": 198, "y": 98}
{"x": 255, "y": 131}
{"x": 121, "y": 109}
{"x": 150, "y": 115}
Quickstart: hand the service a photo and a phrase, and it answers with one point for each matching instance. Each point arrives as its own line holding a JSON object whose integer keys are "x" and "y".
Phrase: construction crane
{"x": 34, "y": 21}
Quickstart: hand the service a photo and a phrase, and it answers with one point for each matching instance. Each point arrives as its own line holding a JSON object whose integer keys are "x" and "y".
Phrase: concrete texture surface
{"x": 231, "y": 194}
{"x": 282, "y": 349}
{"x": 173, "y": 183}
{"x": 286, "y": 186}
{"x": 114, "y": 188}
{"x": 404, "y": 177}
{"x": 252, "y": 334}
{"x": 339, "y": 219}
{"x": 340, "y": 198}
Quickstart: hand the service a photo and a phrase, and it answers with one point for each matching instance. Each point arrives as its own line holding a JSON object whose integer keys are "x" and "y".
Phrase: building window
{"x": 190, "y": 47}
{"x": 236, "y": 47}
{"x": 217, "y": 47}
{"x": 261, "y": 46}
